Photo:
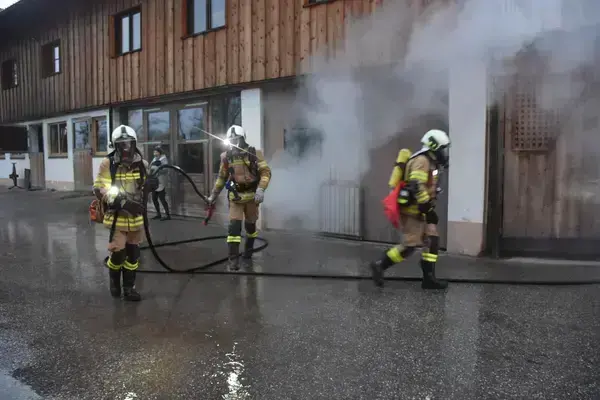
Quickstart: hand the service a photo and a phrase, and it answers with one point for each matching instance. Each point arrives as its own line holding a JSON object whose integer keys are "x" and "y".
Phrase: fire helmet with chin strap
{"x": 124, "y": 140}
{"x": 236, "y": 136}
{"x": 437, "y": 143}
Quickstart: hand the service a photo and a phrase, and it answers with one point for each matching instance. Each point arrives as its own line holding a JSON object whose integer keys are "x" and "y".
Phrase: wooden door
{"x": 36, "y": 157}
{"x": 82, "y": 155}
{"x": 191, "y": 154}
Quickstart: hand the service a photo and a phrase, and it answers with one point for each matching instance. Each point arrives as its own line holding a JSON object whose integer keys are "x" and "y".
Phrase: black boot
{"x": 115, "y": 282}
{"x": 377, "y": 268}
{"x": 129, "y": 292}
{"x": 157, "y": 216}
{"x": 248, "y": 248}
{"x": 429, "y": 279}
{"x": 234, "y": 259}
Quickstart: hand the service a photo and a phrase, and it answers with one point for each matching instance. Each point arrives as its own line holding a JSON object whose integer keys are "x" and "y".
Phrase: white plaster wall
{"x": 467, "y": 174}
{"x": 252, "y": 116}
{"x": 252, "y": 121}
{"x": 59, "y": 171}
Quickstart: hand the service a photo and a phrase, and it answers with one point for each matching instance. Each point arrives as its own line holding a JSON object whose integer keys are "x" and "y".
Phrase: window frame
{"x": 60, "y": 154}
{"x": 116, "y": 29}
{"x": 95, "y": 151}
{"x": 14, "y": 74}
{"x": 188, "y": 18}
{"x": 48, "y": 60}
{"x": 312, "y": 3}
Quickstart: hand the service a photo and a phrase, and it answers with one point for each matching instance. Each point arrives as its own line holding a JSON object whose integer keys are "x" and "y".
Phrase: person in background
{"x": 161, "y": 191}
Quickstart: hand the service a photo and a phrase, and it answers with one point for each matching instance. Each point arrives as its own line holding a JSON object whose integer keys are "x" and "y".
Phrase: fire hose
{"x": 204, "y": 269}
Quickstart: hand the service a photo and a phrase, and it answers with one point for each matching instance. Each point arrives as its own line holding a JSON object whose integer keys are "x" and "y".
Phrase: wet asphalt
{"x": 241, "y": 337}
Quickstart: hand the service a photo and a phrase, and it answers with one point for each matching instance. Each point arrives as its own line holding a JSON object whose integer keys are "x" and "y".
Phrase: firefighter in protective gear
{"x": 120, "y": 182}
{"x": 417, "y": 210}
{"x": 246, "y": 175}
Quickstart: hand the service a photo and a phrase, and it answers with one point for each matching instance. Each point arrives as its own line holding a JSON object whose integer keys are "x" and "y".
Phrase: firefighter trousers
{"x": 415, "y": 232}
{"x": 248, "y": 213}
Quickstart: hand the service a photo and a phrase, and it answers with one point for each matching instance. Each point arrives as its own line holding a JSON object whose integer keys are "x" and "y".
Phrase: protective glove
{"x": 259, "y": 196}
{"x": 133, "y": 207}
{"x": 212, "y": 198}
{"x": 431, "y": 217}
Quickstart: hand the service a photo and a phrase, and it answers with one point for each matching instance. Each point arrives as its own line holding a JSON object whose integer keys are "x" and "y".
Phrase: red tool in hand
{"x": 210, "y": 209}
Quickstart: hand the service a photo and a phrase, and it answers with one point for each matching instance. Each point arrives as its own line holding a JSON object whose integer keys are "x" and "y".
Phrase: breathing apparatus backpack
{"x": 252, "y": 166}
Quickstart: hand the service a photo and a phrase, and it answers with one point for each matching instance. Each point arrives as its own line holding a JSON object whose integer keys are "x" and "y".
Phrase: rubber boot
{"x": 234, "y": 259}
{"x": 129, "y": 292}
{"x": 377, "y": 269}
{"x": 115, "y": 282}
{"x": 429, "y": 279}
{"x": 248, "y": 248}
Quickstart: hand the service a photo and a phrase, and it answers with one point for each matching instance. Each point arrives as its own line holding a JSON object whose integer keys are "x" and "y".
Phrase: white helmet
{"x": 123, "y": 139}
{"x": 437, "y": 142}
{"x": 123, "y": 133}
{"x": 236, "y": 135}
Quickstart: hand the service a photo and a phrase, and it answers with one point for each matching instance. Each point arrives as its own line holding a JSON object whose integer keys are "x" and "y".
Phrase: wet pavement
{"x": 241, "y": 337}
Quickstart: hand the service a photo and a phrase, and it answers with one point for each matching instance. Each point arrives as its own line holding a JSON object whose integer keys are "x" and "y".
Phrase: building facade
{"x": 181, "y": 71}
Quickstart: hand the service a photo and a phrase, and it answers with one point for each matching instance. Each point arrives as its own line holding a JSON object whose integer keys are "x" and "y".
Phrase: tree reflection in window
{"x": 82, "y": 134}
{"x": 225, "y": 111}
{"x": 192, "y": 124}
{"x": 158, "y": 126}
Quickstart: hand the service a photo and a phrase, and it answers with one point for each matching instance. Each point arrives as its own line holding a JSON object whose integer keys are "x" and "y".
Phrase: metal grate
{"x": 533, "y": 127}
{"x": 340, "y": 209}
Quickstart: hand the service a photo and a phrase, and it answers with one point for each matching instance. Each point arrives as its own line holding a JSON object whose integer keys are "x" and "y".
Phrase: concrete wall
{"x": 467, "y": 174}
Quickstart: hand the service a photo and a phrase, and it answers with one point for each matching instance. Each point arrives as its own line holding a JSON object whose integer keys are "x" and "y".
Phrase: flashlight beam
{"x": 223, "y": 140}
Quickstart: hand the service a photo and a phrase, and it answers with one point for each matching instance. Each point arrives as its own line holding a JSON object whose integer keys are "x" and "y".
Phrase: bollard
{"x": 14, "y": 177}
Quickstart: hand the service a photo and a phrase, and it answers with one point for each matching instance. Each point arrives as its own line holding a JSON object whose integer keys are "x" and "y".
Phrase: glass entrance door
{"x": 190, "y": 153}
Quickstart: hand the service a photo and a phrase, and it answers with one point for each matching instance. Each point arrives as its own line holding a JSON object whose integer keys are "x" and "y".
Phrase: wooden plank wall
{"x": 264, "y": 39}
{"x": 554, "y": 193}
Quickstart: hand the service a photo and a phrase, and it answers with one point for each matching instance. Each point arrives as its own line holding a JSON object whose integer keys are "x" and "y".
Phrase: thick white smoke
{"x": 362, "y": 108}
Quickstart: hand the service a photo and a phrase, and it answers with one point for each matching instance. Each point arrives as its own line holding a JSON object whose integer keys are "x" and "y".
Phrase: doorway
{"x": 82, "y": 155}
{"x": 36, "y": 156}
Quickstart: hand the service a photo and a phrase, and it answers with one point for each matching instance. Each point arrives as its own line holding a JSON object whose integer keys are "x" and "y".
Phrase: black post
{"x": 14, "y": 177}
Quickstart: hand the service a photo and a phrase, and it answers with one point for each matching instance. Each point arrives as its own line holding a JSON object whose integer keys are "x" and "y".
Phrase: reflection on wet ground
{"x": 237, "y": 337}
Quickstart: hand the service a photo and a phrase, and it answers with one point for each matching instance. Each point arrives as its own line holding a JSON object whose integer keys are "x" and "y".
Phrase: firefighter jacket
{"x": 247, "y": 169}
{"x": 423, "y": 171}
{"x": 129, "y": 180}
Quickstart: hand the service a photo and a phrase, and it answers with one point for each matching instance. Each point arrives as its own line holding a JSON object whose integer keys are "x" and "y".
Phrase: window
{"x": 58, "y": 140}
{"x": 225, "y": 111}
{"x": 204, "y": 15}
{"x": 10, "y": 77}
{"x": 128, "y": 31}
{"x": 51, "y": 59}
{"x": 100, "y": 135}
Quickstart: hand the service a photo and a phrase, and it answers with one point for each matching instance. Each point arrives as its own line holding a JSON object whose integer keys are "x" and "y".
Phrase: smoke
{"x": 394, "y": 68}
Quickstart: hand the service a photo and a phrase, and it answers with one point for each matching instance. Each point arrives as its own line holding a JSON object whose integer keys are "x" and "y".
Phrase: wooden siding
{"x": 263, "y": 39}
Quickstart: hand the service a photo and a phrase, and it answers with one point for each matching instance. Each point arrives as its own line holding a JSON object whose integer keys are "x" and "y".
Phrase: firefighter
{"x": 417, "y": 212}
{"x": 120, "y": 182}
{"x": 246, "y": 175}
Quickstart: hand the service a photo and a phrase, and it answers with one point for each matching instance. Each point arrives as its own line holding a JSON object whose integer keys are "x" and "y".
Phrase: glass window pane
{"x": 56, "y": 52}
{"x": 217, "y": 13}
{"x": 137, "y": 31}
{"x": 101, "y": 135}
{"x": 82, "y": 134}
{"x": 56, "y": 66}
{"x": 53, "y": 139}
{"x": 225, "y": 111}
{"x": 192, "y": 124}
{"x": 191, "y": 157}
{"x": 135, "y": 119}
{"x": 158, "y": 126}
{"x": 62, "y": 139}
{"x": 199, "y": 16}
{"x": 125, "y": 35}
